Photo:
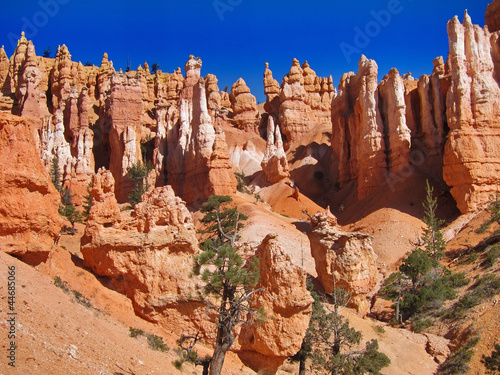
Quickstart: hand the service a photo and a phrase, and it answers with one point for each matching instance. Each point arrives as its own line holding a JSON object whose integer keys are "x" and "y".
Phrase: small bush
{"x": 242, "y": 186}
{"x": 486, "y": 287}
{"x": 134, "y": 332}
{"x": 492, "y": 256}
{"x": 82, "y": 299}
{"x": 494, "y": 210}
{"x": 471, "y": 258}
{"x": 61, "y": 284}
{"x": 421, "y": 324}
{"x": 156, "y": 343}
{"x": 457, "y": 363}
{"x": 78, "y": 296}
{"x": 492, "y": 362}
{"x": 379, "y": 329}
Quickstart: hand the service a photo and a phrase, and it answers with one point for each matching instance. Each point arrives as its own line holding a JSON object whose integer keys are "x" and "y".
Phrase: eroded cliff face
{"x": 472, "y": 152}
{"x": 274, "y": 163}
{"x": 286, "y": 303}
{"x": 343, "y": 260}
{"x": 29, "y": 221}
{"x": 358, "y": 130}
{"x": 444, "y": 125}
{"x": 147, "y": 252}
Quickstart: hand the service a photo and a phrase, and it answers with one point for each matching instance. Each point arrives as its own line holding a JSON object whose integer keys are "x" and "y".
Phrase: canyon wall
{"x": 445, "y": 125}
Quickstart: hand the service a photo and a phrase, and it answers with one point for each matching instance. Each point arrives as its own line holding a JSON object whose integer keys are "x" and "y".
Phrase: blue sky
{"x": 235, "y": 38}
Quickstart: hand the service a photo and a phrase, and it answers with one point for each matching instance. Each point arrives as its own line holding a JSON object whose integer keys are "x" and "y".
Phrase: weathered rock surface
{"x": 472, "y": 152}
{"x": 244, "y": 105}
{"x": 125, "y": 114}
{"x": 358, "y": 130}
{"x": 147, "y": 252}
{"x": 343, "y": 259}
{"x": 274, "y": 163}
{"x": 305, "y": 101}
{"x": 29, "y": 221}
{"x": 492, "y": 17}
{"x": 286, "y": 303}
{"x": 393, "y": 111}
{"x": 272, "y": 91}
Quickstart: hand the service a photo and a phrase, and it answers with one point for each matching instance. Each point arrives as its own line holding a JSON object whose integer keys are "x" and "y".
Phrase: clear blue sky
{"x": 235, "y": 38}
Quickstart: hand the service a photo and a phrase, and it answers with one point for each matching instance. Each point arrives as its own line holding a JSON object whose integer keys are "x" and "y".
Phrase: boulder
{"x": 344, "y": 260}
{"x": 286, "y": 303}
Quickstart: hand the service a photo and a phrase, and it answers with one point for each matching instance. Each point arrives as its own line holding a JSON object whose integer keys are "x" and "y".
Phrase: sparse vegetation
{"x": 492, "y": 255}
{"x": 457, "y": 363}
{"x": 139, "y": 173}
{"x": 242, "y": 186}
{"x": 55, "y": 174}
{"x": 61, "y": 284}
{"x": 485, "y": 288}
{"x": 330, "y": 341}
{"x": 494, "y": 210}
{"x": 69, "y": 210}
{"x": 80, "y": 298}
{"x": 135, "y": 332}
{"x": 492, "y": 362}
{"x": 155, "y": 342}
{"x": 187, "y": 353}
{"x": 421, "y": 324}
{"x": 379, "y": 330}
{"x": 422, "y": 285}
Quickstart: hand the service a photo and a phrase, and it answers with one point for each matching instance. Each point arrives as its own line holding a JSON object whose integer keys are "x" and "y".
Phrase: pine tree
{"x": 139, "y": 174}
{"x": 69, "y": 210}
{"x": 433, "y": 237}
{"x": 229, "y": 278}
{"x": 329, "y": 340}
{"x": 88, "y": 203}
{"x": 334, "y": 341}
{"x": 55, "y": 174}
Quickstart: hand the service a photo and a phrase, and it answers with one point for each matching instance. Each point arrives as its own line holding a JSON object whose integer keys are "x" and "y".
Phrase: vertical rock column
{"x": 472, "y": 151}
{"x": 125, "y": 113}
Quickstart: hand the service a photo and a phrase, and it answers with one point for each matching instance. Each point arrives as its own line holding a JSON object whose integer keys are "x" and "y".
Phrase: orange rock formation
{"x": 29, "y": 221}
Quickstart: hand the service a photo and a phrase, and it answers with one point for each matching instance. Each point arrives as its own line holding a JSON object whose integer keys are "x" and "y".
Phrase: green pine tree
{"x": 229, "y": 278}
{"x": 433, "y": 237}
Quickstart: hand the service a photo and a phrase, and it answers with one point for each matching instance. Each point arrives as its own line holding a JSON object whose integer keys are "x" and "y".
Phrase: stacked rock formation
{"x": 147, "y": 252}
{"x": 29, "y": 221}
{"x": 343, "y": 260}
{"x": 274, "y": 163}
{"x": 287, "y": 303}
{"x": 244, "y": 105}
{"x": 272, "y": 91}
{"x": 472, "y": 152}
{"x": 304, "y": 100}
